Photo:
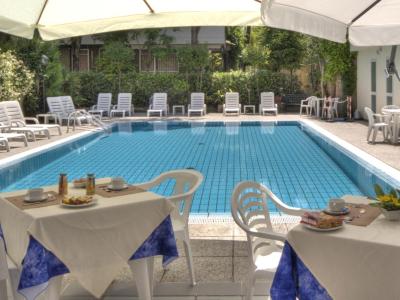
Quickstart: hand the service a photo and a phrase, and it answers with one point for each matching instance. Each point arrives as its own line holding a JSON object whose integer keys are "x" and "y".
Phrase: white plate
{"x": 44, "y": 198}
{"x": 110, "y": 187}
{"x": 93, "y": 202}
{"x": 345, "y": 211}
{"x": 321, "y": 229}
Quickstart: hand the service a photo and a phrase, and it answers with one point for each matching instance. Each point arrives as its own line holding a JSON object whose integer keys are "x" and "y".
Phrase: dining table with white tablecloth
{"x": 92, "y": 243}
{"x": 394, "y": 116}
{"x": 354, "y": 262}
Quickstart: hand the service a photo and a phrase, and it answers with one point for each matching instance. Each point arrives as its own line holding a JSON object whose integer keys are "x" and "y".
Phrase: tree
{"x": 16, "y": 80}
{"x": 193, "y": 61}
{"x": 286, "y": 49}
{"x": 235, "y": 40}
{"x": 116, "y": 59}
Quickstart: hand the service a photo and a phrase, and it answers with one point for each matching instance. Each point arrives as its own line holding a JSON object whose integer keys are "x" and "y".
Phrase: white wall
{"x": 364, "y": 59}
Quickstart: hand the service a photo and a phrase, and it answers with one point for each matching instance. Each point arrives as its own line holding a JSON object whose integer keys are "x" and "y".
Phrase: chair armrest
{"x": 94, "y": 107}
{"x": 34, "y": 120}
{"x": 303, "y": 101}
{"x": 17, "y": 123}
{"x": 378, "y": 116}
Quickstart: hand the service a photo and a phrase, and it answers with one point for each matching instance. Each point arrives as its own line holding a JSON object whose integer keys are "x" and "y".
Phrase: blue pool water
{"x": 296, "y": 165}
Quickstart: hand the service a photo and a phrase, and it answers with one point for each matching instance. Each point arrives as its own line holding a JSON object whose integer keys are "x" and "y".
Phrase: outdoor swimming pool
{"x": 299, "y": 166}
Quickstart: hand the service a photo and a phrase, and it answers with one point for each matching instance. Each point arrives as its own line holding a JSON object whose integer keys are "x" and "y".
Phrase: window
{"x": 389, "y": 89}
{"x": 148, "y": 63}
{"x": 373, "y": 86}
{"x": 84, "y": 60}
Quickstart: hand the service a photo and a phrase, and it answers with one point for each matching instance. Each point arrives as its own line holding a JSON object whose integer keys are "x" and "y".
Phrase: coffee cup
{"x": 35, "y": 194}
{"x": 336, "y": 205}
{"x": 117, "y": 183}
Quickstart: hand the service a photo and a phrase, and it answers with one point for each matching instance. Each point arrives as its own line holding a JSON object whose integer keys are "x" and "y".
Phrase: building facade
{"x": 374, "y": 88}
{"x": 213, "y": 37}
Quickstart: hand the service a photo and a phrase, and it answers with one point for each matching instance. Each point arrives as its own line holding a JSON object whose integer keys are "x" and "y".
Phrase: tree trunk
{"x": 75, "y": 49}
{"x": 195, "y": 35}
{"x": 322, "y": 70}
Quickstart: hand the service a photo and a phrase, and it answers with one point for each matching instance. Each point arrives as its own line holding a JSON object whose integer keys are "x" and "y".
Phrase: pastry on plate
{"x": 321, "y": 220}
{"x": 77, "y": 200}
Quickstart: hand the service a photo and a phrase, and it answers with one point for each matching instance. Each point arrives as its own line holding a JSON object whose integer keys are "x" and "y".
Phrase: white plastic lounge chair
{"x": 267, "y": 103}
{"x": 19, "y": 128}
{"x": 16, "y": 117}
{"x": 197, "y": 104}
{"x": 186, "y": 184}
{"x": 232, "y": 105}
{"x": 124, "y": 105}
{"x": 308, "y": 104}
{"x": 6, "y": 137}
{"x": 80, "y": 115}
{"x": 9, "y": 270}
{"x": 376, "y": 126}
{"x": 232, "y": 128}
{"x": 250, "y": 212}
{"x": 159, "y": 104}
{"x": 198, "y": 128}
{"x": 56, "y": 107}
{"x": 103, "y": 106}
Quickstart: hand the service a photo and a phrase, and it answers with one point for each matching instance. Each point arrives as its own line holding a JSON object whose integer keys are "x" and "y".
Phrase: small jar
{"x": 63, "y": 184}
{"x": 90, "y": 184}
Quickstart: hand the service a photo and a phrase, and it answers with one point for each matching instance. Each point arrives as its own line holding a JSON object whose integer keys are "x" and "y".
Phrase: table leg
{"x": 395, "y": 133}
{"x": 142, "y": 270}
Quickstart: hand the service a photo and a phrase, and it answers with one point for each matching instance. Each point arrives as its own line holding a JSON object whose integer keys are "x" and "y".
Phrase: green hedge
{"x": 84, "y": 86}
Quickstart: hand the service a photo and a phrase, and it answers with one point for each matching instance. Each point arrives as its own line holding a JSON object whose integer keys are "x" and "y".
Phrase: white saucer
{"x": 321, "y": 229}
{"x": 44, "y": 198}
{"x": 345, "y": 211}
{"x": 93, "y": 202}
{"x": 110, "y": 187}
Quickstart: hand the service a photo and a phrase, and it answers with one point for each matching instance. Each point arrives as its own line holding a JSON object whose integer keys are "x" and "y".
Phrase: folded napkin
{"x": 321, "y": 220}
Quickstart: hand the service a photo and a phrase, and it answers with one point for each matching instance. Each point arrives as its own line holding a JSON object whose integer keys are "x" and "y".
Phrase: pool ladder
{"x": 92, "y": 119}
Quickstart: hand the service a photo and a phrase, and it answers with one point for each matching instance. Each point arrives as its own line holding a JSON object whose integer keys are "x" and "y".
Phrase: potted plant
{"x": 389, "y": 203}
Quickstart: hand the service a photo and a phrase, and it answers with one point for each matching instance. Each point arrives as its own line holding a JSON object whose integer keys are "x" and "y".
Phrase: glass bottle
{"x": 90, "y": 184}
{"x": 63, "y": 184}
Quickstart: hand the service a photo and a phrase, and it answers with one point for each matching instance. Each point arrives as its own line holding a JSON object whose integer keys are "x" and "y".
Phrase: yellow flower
{"x": 385, "y": 198}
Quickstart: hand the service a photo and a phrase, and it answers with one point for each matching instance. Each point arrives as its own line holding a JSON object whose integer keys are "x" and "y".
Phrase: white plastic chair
{"x": 124, "y": 105}
{"x": 308, "y": 104}
{"x": 250, "y": 212}
{"x": 197, "y": 104}
{"x": 159, "y": 104}
{"x": 103, "y": 106}
{"x": 232, "y": 105}
{"x": 186, "y": 184}
{"x": 376, "y": 126}
{"x": 267, "y": 103}
{"x": 16, "y": 117}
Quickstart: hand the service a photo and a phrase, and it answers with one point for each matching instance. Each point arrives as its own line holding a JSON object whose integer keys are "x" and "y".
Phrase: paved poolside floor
{"x": 219, "y": 246}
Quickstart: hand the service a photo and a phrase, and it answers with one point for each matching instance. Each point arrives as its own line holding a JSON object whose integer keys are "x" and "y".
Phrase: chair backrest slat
{"x": 124, "y": 101}
{"x": 267, "y": 100}
{"x": 3, "y": 115}
{"x": 232, "y": 100}
{"x": 160, "y": 101}
{"x": 68, "y": 104}
{"x": 13, "y": 111}
{"x": 56, "y": 107}
{"x": 197, "y": 100}
{"x": 104, "y": 101}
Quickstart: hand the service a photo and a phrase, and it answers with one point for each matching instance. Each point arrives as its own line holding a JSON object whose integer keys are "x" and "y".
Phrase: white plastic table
{"x": 355, "y": 262}
{"x": 47, "y": 117}
{"x": 181, "y": 107}
{"x": 395, "y": 112}
{"x": 251, "y": 107}
{"x": 83, "y": 228}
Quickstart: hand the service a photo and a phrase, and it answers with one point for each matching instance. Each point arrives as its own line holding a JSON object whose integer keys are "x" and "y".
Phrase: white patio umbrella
{"x": 57, "y": 19}
{"x": 367, "y": 22}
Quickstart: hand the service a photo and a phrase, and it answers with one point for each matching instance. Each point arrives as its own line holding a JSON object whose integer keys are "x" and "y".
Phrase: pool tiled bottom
{"x": 282, "y": 157}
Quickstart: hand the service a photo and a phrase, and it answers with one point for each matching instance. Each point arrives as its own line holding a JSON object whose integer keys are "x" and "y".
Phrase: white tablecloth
{"x": 354, "y": 262}
{"x": 395, "y": 112}
{"x": 94, "y": 243}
